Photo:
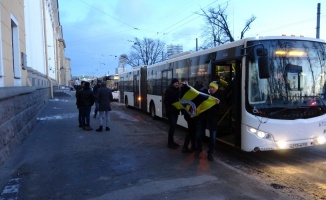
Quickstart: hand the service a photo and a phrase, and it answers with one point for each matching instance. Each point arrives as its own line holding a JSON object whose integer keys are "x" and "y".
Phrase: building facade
{"x": 32, "y": 63}
{"x": 174, "y": 49}
{"x": 12, "y": 43}
{"x": 32, "y": 44}
{"x": 45, "y": 39}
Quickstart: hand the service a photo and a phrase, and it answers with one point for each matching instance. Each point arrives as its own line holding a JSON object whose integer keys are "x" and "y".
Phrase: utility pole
{"x": 196, "y": 44}
{"x": 318, "y": 21}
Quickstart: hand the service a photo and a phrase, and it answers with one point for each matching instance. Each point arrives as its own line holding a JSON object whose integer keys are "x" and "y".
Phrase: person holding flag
{"x": 190, "y": 137}
{"x": 199, "y": 105}
{"x": 212, "y": 117}
{"x": 171, "y": 96}
{"x": 206, "y": 115}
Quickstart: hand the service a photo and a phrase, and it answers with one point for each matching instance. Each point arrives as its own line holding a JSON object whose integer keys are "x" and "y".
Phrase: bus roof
{"x": 189, "y": 54}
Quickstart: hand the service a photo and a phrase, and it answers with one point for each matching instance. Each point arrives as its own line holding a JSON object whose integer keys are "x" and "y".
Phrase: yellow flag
{"x": 193, "y": 101}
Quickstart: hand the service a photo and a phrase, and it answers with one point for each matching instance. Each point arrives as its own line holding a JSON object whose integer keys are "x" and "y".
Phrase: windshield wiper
{"x": 284, "y": 109}
{"x": 319, "y": 100}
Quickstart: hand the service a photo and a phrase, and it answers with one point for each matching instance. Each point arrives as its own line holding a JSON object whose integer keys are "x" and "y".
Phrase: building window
{"x": 15, "y": 48}
{"x": 1, "y": 60}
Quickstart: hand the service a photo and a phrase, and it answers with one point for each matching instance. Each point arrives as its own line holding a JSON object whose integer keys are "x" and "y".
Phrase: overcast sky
{"x": 97, "y": 32}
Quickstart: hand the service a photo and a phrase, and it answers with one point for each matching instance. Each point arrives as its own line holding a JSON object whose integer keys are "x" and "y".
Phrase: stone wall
{"x": 19, "y": 107}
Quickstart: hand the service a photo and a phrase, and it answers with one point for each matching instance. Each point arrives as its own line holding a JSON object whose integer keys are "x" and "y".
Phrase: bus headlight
{"x": 252, "y": 130}
{"x": 321, "y": 140}
{"x": 260, "y": 134}
{"x": 281, "y": 144}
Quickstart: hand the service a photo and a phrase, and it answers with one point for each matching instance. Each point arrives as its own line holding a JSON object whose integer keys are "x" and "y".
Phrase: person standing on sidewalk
{"x": 171, "y": 96}
{"x": 212, "y": 121}
{"x": 95, "y": 89}
{"x": 87, "y": 100}
{"x": 104, "y": 97}
{"x": 78, "y": 103}
{"x": 190, "y": 136}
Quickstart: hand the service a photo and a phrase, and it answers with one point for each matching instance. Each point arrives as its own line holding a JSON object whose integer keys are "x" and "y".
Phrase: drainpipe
{"x": 58, "y": 74}
{"x": 46, "y": 50}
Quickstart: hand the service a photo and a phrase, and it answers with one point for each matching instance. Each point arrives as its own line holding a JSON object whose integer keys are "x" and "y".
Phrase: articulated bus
{"x": 276, "y": 90}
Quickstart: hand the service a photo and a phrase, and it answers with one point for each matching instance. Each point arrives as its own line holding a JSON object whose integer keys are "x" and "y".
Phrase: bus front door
{"x": 136, "y": 91}
{"x": 225, "y": 74}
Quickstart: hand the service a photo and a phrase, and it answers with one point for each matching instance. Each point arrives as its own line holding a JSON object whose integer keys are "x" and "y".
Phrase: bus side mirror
{"x": 263, "y": 67}
{"x": 261, "y": 52}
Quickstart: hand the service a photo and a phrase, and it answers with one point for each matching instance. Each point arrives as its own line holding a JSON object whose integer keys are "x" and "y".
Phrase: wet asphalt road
{"x": 61, "y": 161}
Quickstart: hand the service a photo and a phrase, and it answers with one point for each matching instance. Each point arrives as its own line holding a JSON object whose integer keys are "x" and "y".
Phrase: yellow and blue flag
{"x": 193, "y": 101}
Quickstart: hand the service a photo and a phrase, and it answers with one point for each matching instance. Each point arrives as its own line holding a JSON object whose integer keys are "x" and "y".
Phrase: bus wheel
{"x": 152, "y": 111}
{"x": 126, "y": 102}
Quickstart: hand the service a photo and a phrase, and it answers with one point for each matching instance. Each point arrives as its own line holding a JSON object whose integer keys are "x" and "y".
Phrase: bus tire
{"x": 126, "y": 102}
{"x": 152, "y": 111}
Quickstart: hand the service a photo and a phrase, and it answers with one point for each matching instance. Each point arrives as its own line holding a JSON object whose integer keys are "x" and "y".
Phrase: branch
{"x": 247, "y": 27}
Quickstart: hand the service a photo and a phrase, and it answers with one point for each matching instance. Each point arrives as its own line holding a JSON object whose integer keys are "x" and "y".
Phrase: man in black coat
{"x": 86, "y": 100}
{"x": 171, "y": 96}
{"x": 78, "y": 102}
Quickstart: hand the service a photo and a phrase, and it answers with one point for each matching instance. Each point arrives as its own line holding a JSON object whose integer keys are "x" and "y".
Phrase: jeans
{"x": 173, "y": 118}
{"x": 104, "y": 115}
{"x": 191, "y": 135}
{"x": 200, "y": 133}
{"x": 96, "y": 107}
{"x": 85, "y": 112}
{"x": 80, "y": 120}
{"x": 212, "y": 141}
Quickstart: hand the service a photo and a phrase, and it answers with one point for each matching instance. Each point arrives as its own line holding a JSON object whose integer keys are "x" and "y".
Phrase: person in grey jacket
{"x": 104, "y": 97}
{"x": 95, "y": 89}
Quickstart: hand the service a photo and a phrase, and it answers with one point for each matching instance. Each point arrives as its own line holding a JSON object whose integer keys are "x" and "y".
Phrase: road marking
{"x": 10, "y": 192}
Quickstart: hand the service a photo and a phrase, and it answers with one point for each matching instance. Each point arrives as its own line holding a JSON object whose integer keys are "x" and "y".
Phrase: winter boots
{"x": 100, "y": 129}
{"x": 87, "y": 128}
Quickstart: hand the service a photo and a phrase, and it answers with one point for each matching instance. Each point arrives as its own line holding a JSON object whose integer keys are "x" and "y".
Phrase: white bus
{"x": 275, "y": 94}
{"x": 132, "y": 87}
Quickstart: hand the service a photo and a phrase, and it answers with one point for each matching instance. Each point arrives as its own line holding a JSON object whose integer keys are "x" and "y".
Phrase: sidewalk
{"x": 61, "y": 161}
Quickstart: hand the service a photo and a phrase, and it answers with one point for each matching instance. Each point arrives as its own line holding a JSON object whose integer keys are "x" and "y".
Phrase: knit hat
{"x": 87, "y": 84}
{"x": 214, "y": 84}
{"x": 103, "y": 84}
{"x": 174, "y": 81}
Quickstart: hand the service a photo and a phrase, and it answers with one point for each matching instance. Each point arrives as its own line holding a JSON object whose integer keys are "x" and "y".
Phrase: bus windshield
{"x": 296, "y": 87}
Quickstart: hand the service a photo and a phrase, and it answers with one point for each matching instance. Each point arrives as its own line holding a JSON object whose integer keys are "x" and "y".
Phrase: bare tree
{"x": 218, "y": 28}
{"x": 123, "y": 60}
{"x": 146, "y": 52}
{"x": 212, "y": 35}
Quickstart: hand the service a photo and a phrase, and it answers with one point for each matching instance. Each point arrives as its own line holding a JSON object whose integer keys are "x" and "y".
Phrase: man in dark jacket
{"x": 86, "y": 100}
{"x": 78, "y": 102}
{"x": 104, "y": 97}
{"x": 190, "y": 136}
{"x": 171, "y": 96}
